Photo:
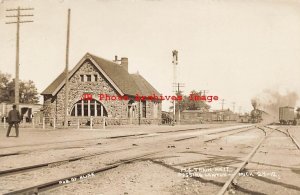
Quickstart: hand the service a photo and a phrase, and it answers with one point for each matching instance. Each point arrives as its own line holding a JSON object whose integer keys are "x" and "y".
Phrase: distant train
{"x": 287, "y": 116}
{"x": 256, "y": 116}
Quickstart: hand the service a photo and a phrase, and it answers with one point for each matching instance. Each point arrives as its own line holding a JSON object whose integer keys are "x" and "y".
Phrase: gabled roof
{"x": 118, "y": 75}
{"x": 144, "y": 86}
{"x": 54, "y": 84}
{"x": 119, "y": 78}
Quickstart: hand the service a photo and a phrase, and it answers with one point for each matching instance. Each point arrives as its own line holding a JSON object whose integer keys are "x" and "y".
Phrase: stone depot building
{"x": 94, "y": 75}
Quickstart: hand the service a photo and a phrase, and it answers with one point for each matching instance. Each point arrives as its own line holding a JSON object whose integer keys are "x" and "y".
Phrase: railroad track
{"x": 59, "y": 182}
{"x": 247, "y": 128}
{"x": 288, "y": 134}
{"x": 9, "y": 154}
{"x": 72, "y": 159}
{"x": 240, "y": 131}
{"x": 93, "y": 141}
{"x": 53, "y": 163}
{"x": 98, "y": 138}
{"x": 294, "y": 139}
{"x": 71, "y": 179}
{"x": 232, "y": 181}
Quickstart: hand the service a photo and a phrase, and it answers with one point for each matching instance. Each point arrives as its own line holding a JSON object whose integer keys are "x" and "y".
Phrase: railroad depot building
{"x": 94, "y": 75}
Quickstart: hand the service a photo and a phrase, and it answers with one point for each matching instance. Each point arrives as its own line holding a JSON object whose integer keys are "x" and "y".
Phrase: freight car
{"x": 287, "y": 116}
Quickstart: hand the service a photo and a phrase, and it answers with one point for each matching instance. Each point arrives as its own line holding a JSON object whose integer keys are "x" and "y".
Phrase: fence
{"x": 81, "y": 122}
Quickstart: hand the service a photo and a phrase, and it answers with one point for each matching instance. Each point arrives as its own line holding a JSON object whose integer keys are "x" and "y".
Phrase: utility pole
{"x": 67, "y": 72}
{"x": 18, "y": 17}
{"x": 233, "y": 106}
{"x": 223, "y": 103}
{"x": 204, "y": 91}
{"x": 177, "y": 91}
{"x": 175, "y": 62}
{"x": 222, "y": 109}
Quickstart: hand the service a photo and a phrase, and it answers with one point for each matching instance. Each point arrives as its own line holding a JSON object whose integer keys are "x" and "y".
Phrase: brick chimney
{"x": 124, "y": 63}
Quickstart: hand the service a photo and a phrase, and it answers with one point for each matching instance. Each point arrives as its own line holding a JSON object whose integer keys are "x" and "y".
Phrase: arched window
{"x": 88, "y": 108}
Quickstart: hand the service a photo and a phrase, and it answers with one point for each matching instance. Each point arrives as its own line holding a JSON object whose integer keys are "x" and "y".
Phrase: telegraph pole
{"x": 67, "y": 71}
{"x": 223, "y": 103}
{"x": 233, "y": 106}
{"x": 177, "y": 91}
{"x": 175, "y": 62}
{"x": 203, "y": 92}
{"x": 18, "y": 21}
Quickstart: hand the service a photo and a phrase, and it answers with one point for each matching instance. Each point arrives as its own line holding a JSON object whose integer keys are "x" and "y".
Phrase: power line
{"x": 18, "y": 21}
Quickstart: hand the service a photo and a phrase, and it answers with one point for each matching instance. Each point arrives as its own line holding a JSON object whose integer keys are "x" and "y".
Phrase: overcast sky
{"x": 235, "y": 49}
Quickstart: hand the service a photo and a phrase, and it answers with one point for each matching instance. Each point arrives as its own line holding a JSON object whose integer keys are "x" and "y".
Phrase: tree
{"x": 298, "y": 112}
{"x": 27, "y": 93}
{"x": 4, "y": 83}
{"x": 187, "y": 104}
{"x": 193, "y": 104}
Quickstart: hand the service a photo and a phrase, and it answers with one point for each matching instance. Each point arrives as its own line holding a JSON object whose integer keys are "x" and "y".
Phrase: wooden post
{"x": 91, "y": 123}
{"x": 33, "y": 122}
{"x": 89, "y": 109}
{"x": 103, "y": 122}
{"x": 4, "y": 122}
{"x": 78, "y": 124}
{"x": 140, "y": 112}
{"x": 95, "y": 108}
{"x": 67, "y": 72}
{"x": 43, "y": 122}
{"x": 82, "y": 108}
{"x": 17, "y": 61}
{"x": 53, "y": 123}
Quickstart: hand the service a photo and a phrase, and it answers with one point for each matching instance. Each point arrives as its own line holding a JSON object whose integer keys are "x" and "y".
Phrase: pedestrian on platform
{"x": 13, "y": 118}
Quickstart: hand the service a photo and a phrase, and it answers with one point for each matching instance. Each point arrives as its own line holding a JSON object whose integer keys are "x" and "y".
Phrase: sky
{"x": 233, "y": 48}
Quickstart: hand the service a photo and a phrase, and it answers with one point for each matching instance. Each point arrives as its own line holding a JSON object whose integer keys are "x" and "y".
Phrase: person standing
{"x": 13, "y": 118}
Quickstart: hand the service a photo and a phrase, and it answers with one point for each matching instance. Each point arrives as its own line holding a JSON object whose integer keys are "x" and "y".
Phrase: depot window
{"x": 89, "y": 78}
{"x": 82, "y": 78}
{"x": 88, "y": 108}
{"x": 144, "y": 109}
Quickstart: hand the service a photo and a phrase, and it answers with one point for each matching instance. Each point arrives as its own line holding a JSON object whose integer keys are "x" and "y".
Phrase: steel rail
{"x": 192, "y": 137}
{"x": 216, "y": 138}
{"x": 71, "y": 179}
{"x": 242, "y": 165}
{"x": 288, "y": 134}
{"x": 293, "y": 139}
{"x": 48, "y": 164}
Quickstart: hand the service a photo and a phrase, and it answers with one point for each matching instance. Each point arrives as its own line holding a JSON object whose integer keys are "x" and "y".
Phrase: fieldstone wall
{"x": 115, "y": 109}
{"x": 49, "y": 107}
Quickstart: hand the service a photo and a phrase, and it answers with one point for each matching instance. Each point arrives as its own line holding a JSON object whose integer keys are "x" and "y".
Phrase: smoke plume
{"x": 270, "y": 101}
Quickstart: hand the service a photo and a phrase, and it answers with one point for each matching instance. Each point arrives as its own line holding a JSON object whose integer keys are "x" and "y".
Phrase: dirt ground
{"x": 175, "y": 160}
